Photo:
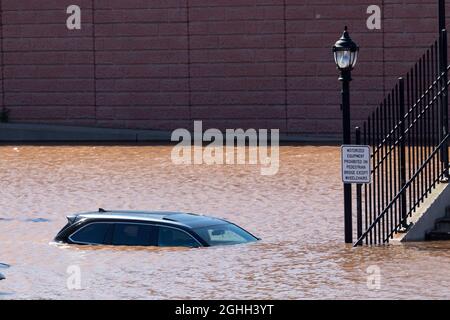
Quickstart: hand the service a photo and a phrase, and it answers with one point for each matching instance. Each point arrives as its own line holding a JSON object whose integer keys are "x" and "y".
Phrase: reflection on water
{"x": 297, "y": 213}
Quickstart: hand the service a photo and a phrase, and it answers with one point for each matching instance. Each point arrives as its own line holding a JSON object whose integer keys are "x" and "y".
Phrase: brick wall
{"x": 161, "y": 64}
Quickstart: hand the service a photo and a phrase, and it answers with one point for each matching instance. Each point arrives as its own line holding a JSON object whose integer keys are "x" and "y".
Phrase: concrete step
{"x": 443, "y": 224}
{"x": 442, "y": 228}
{"x": 438, "y": 236}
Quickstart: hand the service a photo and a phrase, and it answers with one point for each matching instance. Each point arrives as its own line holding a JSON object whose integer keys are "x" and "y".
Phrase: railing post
{"x": 442, "y": 23}
{"x": 443, "y": 64}
{"x": 402, "y": 156}
{"x": 359, "y": 223}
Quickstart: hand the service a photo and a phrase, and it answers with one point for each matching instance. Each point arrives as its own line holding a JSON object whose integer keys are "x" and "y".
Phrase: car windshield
{"x": 224, "y": 234}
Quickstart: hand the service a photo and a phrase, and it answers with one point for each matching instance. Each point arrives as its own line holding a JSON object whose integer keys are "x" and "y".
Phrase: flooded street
{"x": 298, "y": 213}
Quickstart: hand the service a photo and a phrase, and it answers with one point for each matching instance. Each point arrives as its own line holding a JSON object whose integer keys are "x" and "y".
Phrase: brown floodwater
{"x": 297, "y": 213}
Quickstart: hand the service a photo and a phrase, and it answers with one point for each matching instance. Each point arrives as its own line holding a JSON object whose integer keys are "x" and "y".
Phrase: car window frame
{"x": 109, "y": 234}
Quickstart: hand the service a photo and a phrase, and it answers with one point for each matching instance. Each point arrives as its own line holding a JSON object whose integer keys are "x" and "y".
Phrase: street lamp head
{"x": 345, "y": 52}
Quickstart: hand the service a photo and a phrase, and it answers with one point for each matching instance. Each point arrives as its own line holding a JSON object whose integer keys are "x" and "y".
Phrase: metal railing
{"x": 408, "y": 134}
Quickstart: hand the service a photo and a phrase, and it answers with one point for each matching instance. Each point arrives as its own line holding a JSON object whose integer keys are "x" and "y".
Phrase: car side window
{"x": 171, "y": 237}
{"x": 93, "y": 233}
{"x": 129, "y": 234}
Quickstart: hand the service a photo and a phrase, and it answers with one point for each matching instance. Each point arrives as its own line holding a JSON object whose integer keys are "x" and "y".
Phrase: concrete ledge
{"x": 10, "y": 132}
{"x": 317, "y": 138}
{"x": 17, "y": 132}
{"x": 425, "y": 217}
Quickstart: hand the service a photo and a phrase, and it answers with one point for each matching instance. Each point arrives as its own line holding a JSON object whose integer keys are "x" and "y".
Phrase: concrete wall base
{"x": 11, "y": 132}
{"x": 17, "y": 132}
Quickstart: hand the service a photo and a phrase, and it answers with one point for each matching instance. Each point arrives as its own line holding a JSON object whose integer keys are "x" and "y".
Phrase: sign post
{"x": 356, "y": 169}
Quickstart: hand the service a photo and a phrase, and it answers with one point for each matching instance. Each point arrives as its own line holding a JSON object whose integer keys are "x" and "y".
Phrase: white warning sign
{"x": 356, "y": 164}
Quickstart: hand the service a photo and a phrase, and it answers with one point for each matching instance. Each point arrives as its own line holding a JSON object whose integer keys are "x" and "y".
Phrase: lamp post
{"x": 345, "y": 56}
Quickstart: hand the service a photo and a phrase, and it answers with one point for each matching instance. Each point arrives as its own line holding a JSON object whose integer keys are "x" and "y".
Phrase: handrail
{"x": 407, "y": 132}
{"x": 402, "y": 190}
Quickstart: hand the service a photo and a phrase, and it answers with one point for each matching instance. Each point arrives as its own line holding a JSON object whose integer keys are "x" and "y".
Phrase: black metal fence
{"x": 408, "y": 134}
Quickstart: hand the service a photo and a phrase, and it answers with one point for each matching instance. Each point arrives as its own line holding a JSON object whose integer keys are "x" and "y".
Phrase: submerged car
{"x": 3, "y": 266}
{"x": 140, "y": 228}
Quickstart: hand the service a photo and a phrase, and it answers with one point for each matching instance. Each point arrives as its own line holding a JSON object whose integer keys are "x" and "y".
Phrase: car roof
{"x": 189, "y": 220}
